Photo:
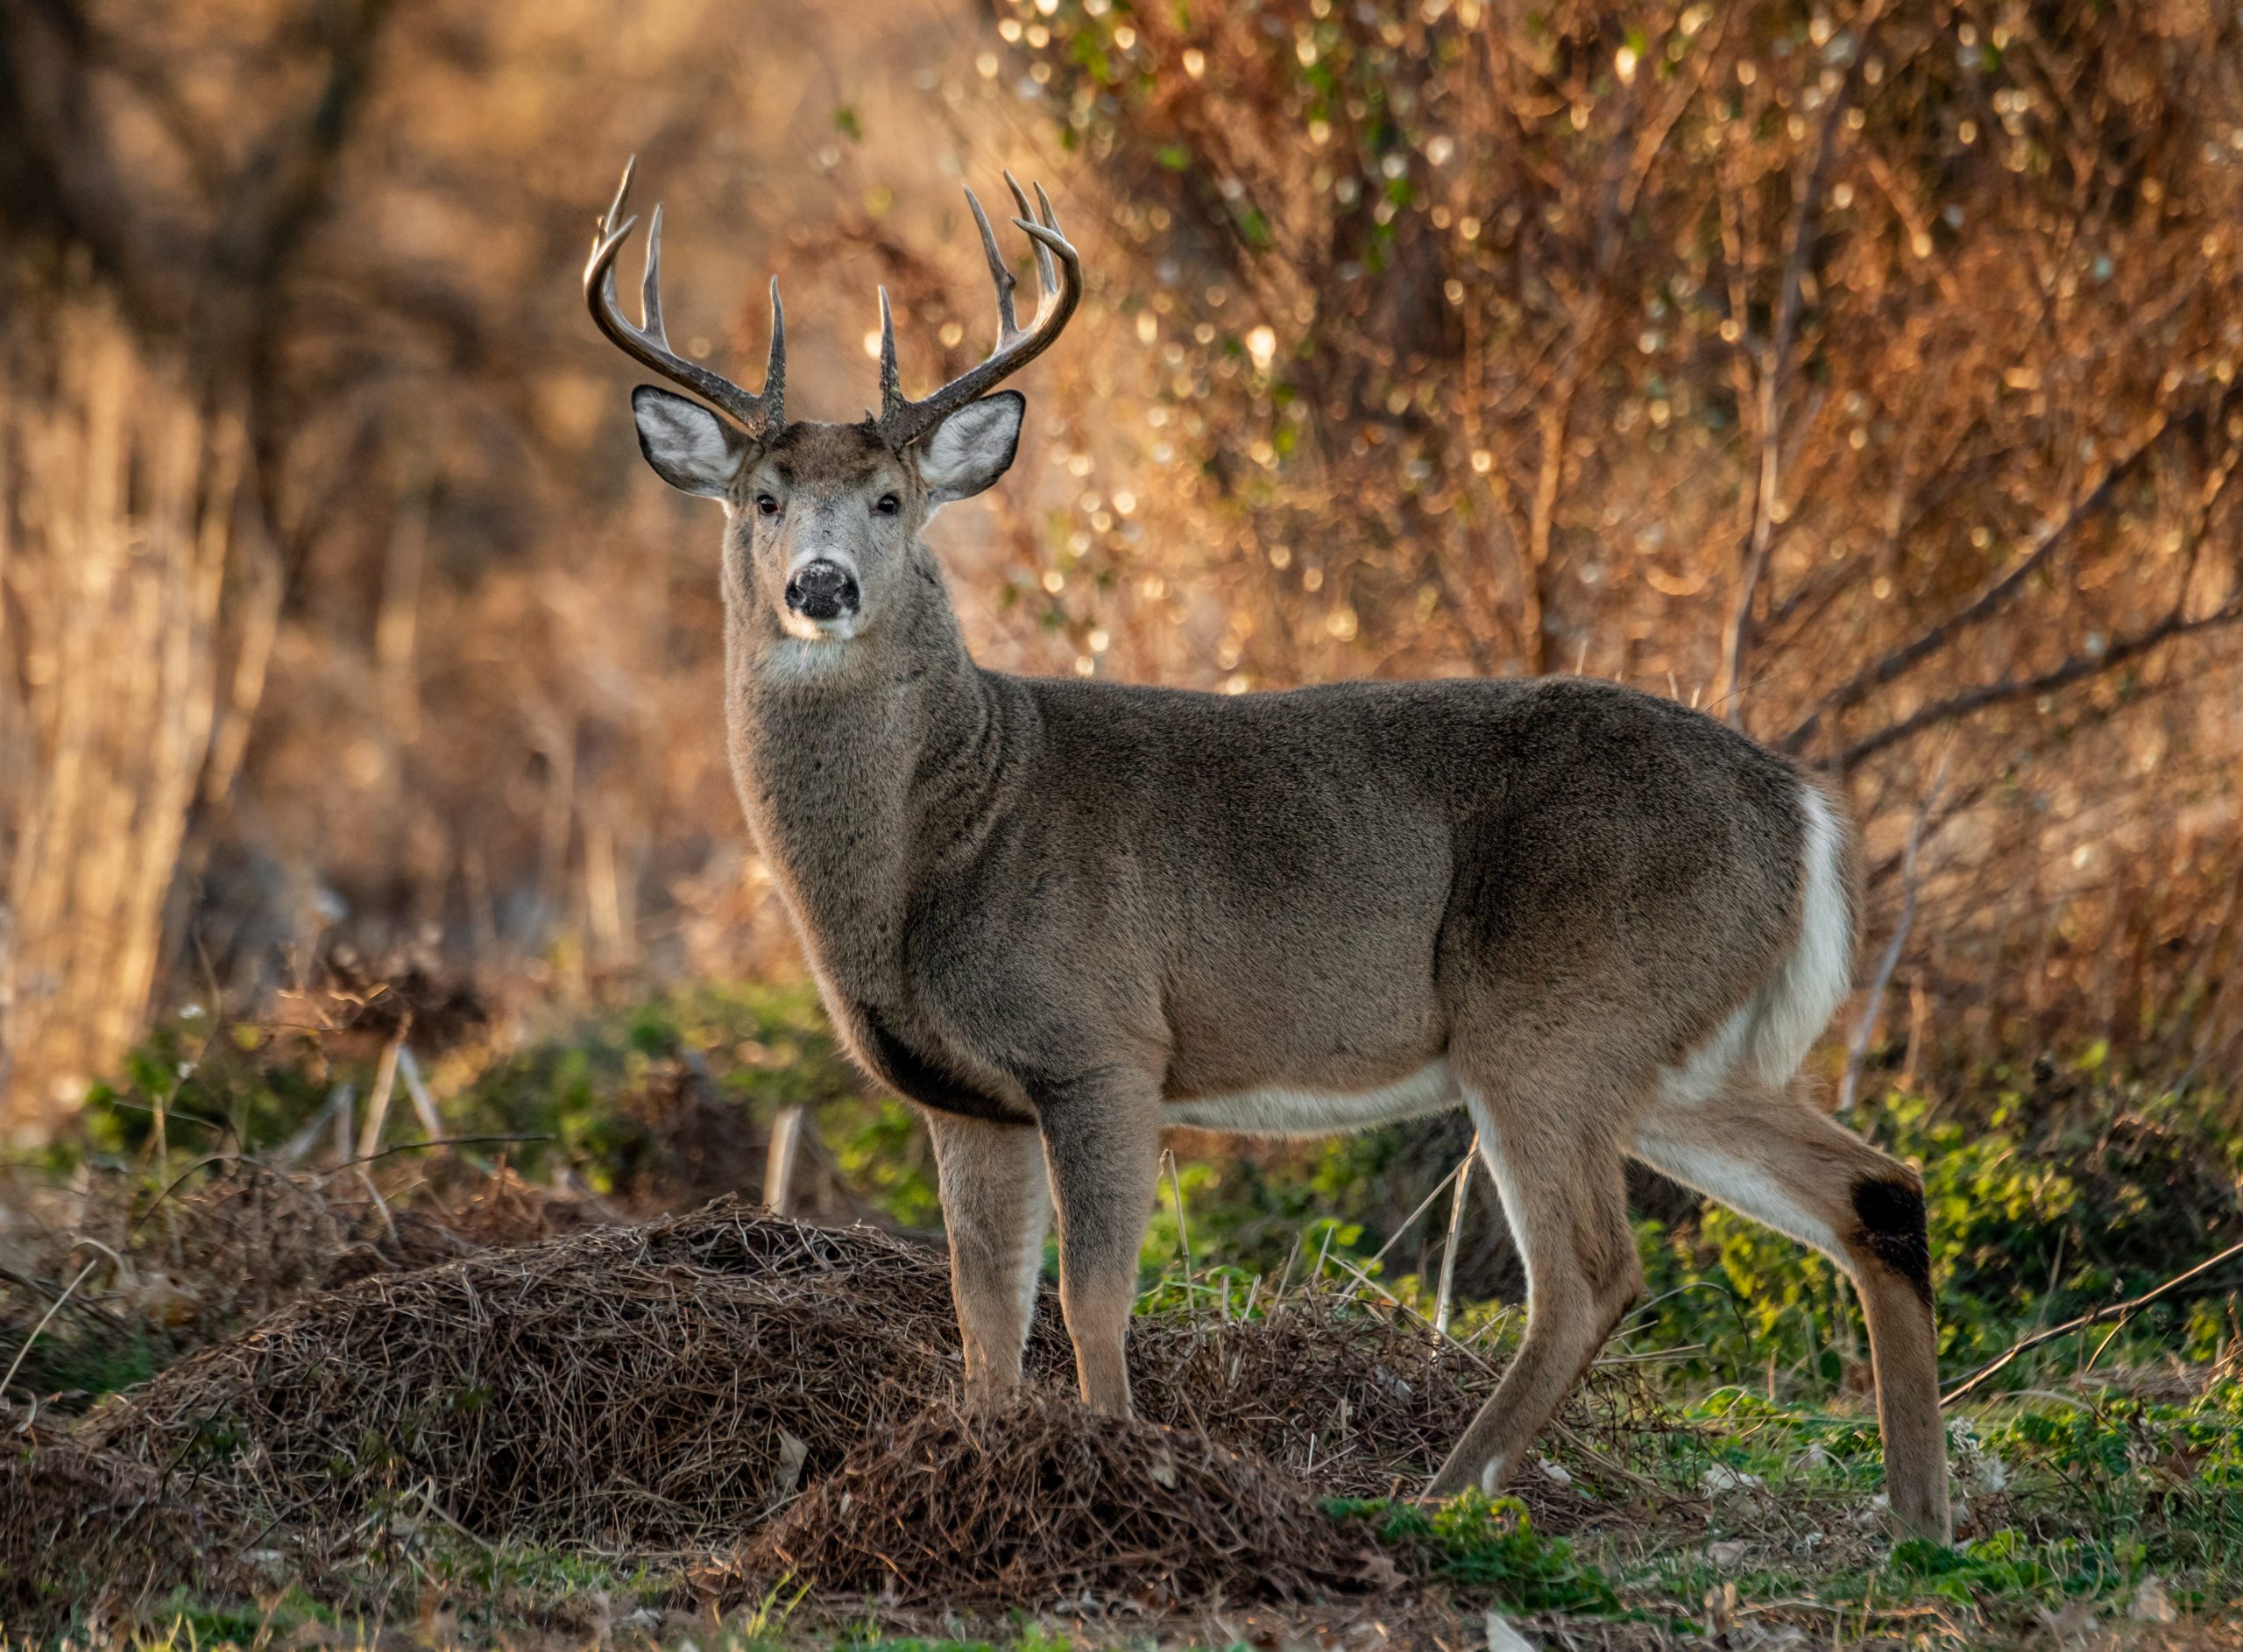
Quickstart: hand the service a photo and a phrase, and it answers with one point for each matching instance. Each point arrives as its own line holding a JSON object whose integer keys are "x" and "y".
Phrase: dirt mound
{"x": 654, "y": 1388}
{"x": 1045, "y": 1501}
{"x": 85, "y": 1534}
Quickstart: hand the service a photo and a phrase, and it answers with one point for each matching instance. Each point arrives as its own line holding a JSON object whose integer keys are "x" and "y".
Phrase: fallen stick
{"x": 2113, "y": 1311}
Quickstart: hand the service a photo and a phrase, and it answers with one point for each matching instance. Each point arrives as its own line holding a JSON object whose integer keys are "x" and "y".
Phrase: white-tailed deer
{"x": 1059, "y": 915}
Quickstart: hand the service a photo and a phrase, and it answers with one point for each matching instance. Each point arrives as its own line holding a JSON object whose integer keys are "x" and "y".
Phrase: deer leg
{"x": 1557, "y": 1167}
{"x": 1101, "y": 1140}
{"x": 996, "y": 1204}
{"x": 1771, "y": 1156}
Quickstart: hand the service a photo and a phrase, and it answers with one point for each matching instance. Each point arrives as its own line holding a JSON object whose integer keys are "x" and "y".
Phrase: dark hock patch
{"x": 1891, "y": 1211}
{"x": 917, "y": 1078}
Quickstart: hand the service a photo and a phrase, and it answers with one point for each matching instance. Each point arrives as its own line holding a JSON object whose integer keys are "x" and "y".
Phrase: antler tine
{"x": 1047, "y": 279}
{"x": 650, "y": 284}
{"x": 775, "y": 364}
{"x": 891, "y": 381}
{"x": 615, "y": 207}
{"x": 999, "y": 270}
{"x": 1060, "y": 271}
{"x": 648, "y": 343}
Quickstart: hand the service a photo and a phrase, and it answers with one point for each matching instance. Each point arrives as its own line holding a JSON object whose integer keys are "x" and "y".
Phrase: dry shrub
{"x": 205, "y": 1261}
{"x": 1348, "y": 1398}
{"x": 1358, "y": 1401}
{"x": 654, "y": 1388}
{"x": 666, "y": 1387}
{"x": 84, "y": 1531}
{"x": 1047, "y": 1501}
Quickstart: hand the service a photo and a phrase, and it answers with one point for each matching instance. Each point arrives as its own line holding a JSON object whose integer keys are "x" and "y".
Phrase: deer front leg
{"x": 997, "y": 1205}
{"x": 1101, "y": 1140}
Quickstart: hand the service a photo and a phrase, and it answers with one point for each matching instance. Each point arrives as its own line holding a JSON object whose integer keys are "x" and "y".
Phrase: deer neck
{"x": 851, "y": 778}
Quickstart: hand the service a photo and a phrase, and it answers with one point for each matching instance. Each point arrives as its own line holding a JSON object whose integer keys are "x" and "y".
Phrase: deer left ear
{"x": 972, "y": 447}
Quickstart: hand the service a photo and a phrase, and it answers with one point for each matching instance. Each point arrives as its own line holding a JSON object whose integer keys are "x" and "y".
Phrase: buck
{"x": 1060, "y": 914}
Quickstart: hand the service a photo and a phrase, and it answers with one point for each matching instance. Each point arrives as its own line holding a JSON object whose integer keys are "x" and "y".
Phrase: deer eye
{"x": 889, "y": 504}
{"x": 766, "y": 505}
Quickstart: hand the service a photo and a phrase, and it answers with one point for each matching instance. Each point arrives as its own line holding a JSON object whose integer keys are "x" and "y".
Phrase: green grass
{"x": 1489, "y": 1546}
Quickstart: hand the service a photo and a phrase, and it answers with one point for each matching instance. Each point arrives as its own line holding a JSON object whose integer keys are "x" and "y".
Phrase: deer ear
{"x": 689, "y": 446}
{"x": 972, "y": 447}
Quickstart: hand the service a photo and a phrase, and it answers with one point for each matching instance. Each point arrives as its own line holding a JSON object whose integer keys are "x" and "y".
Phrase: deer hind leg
{"x": 997, "y": 1205}
{"x": 1102, "y": 1140}
{"x": 1553, "y": 1150}
{"x": 1772, "y": 1156}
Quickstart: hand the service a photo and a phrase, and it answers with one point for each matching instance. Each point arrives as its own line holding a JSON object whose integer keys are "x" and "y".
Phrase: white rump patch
{"x": 1282, "y": 1111}
{"x": 1775, "y": 1027}
{"x": 1815, "y": 979}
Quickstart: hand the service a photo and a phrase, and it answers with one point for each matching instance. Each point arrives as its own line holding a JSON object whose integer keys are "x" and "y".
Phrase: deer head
{"x": 823, "y": 519}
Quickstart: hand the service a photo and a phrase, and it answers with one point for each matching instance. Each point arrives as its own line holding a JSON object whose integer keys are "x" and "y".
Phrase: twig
{"x": 1776, "y": 365}
{"x": 424, "y": 1147}
{"x": 370, "y": 1134}
{"x": 1448, "y": 1252}
{"x": 779, "y": 1161}
{"x": 54, "y": 1308}
{"x": 1176, "y": 1191}
{"x": 1932, "y": 637}
{"x": 1424, "y": 1206}
{"x": 1464, "y": 1348}
{"x": 424, "y": 1105}
{"x": 2112, "y": 1311}
{"x": 306, "y": 1138}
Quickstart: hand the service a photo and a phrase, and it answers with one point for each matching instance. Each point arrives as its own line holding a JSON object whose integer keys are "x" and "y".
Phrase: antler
{"x": 649, "y": 344}
{"x": 1060, "y": 288}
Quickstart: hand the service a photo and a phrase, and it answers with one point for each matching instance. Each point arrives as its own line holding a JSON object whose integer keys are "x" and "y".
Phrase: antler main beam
{"x": 648, "y": 343}
{"x": 1059, "y": 281}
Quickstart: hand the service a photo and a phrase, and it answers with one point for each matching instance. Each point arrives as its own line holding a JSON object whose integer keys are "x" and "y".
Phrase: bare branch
{"x": 2053, "y": 535}
{"x": 1775, "y": 369}
{"x": 2076, "y": 669}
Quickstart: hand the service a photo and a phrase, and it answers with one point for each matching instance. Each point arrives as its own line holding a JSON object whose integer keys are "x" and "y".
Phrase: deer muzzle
{"x": 823, "y": 591}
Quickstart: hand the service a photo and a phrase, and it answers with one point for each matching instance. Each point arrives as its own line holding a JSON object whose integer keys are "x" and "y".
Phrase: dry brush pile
{"x": 1048, "y": 1502}
{"x": 663, "y": 1391}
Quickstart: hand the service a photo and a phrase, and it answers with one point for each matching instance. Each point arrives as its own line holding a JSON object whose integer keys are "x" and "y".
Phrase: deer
{"x": 1059, "y": 915}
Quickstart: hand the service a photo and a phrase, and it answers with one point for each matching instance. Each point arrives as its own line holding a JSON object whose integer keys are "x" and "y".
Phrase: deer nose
{"x": 822, "y": 590}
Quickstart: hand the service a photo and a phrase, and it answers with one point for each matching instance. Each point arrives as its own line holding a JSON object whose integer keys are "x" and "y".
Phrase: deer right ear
{"x": 689, "y": 446}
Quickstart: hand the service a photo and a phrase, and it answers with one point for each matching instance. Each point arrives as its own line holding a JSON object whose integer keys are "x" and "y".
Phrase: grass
{"x": 2104, "y": 1477}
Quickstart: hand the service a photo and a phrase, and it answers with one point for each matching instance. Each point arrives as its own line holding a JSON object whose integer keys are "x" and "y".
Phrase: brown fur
{"x": 1053, "y": 911}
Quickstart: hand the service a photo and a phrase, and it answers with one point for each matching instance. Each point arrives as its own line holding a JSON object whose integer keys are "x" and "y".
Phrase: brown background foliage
{"x": 1865, "y": 374}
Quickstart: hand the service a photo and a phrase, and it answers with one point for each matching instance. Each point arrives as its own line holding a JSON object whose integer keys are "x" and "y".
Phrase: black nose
{"x": 822, "y": 591}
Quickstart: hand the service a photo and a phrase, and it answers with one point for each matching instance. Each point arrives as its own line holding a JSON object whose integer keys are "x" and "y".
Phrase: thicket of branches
{"x": 1865, "y": 374}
